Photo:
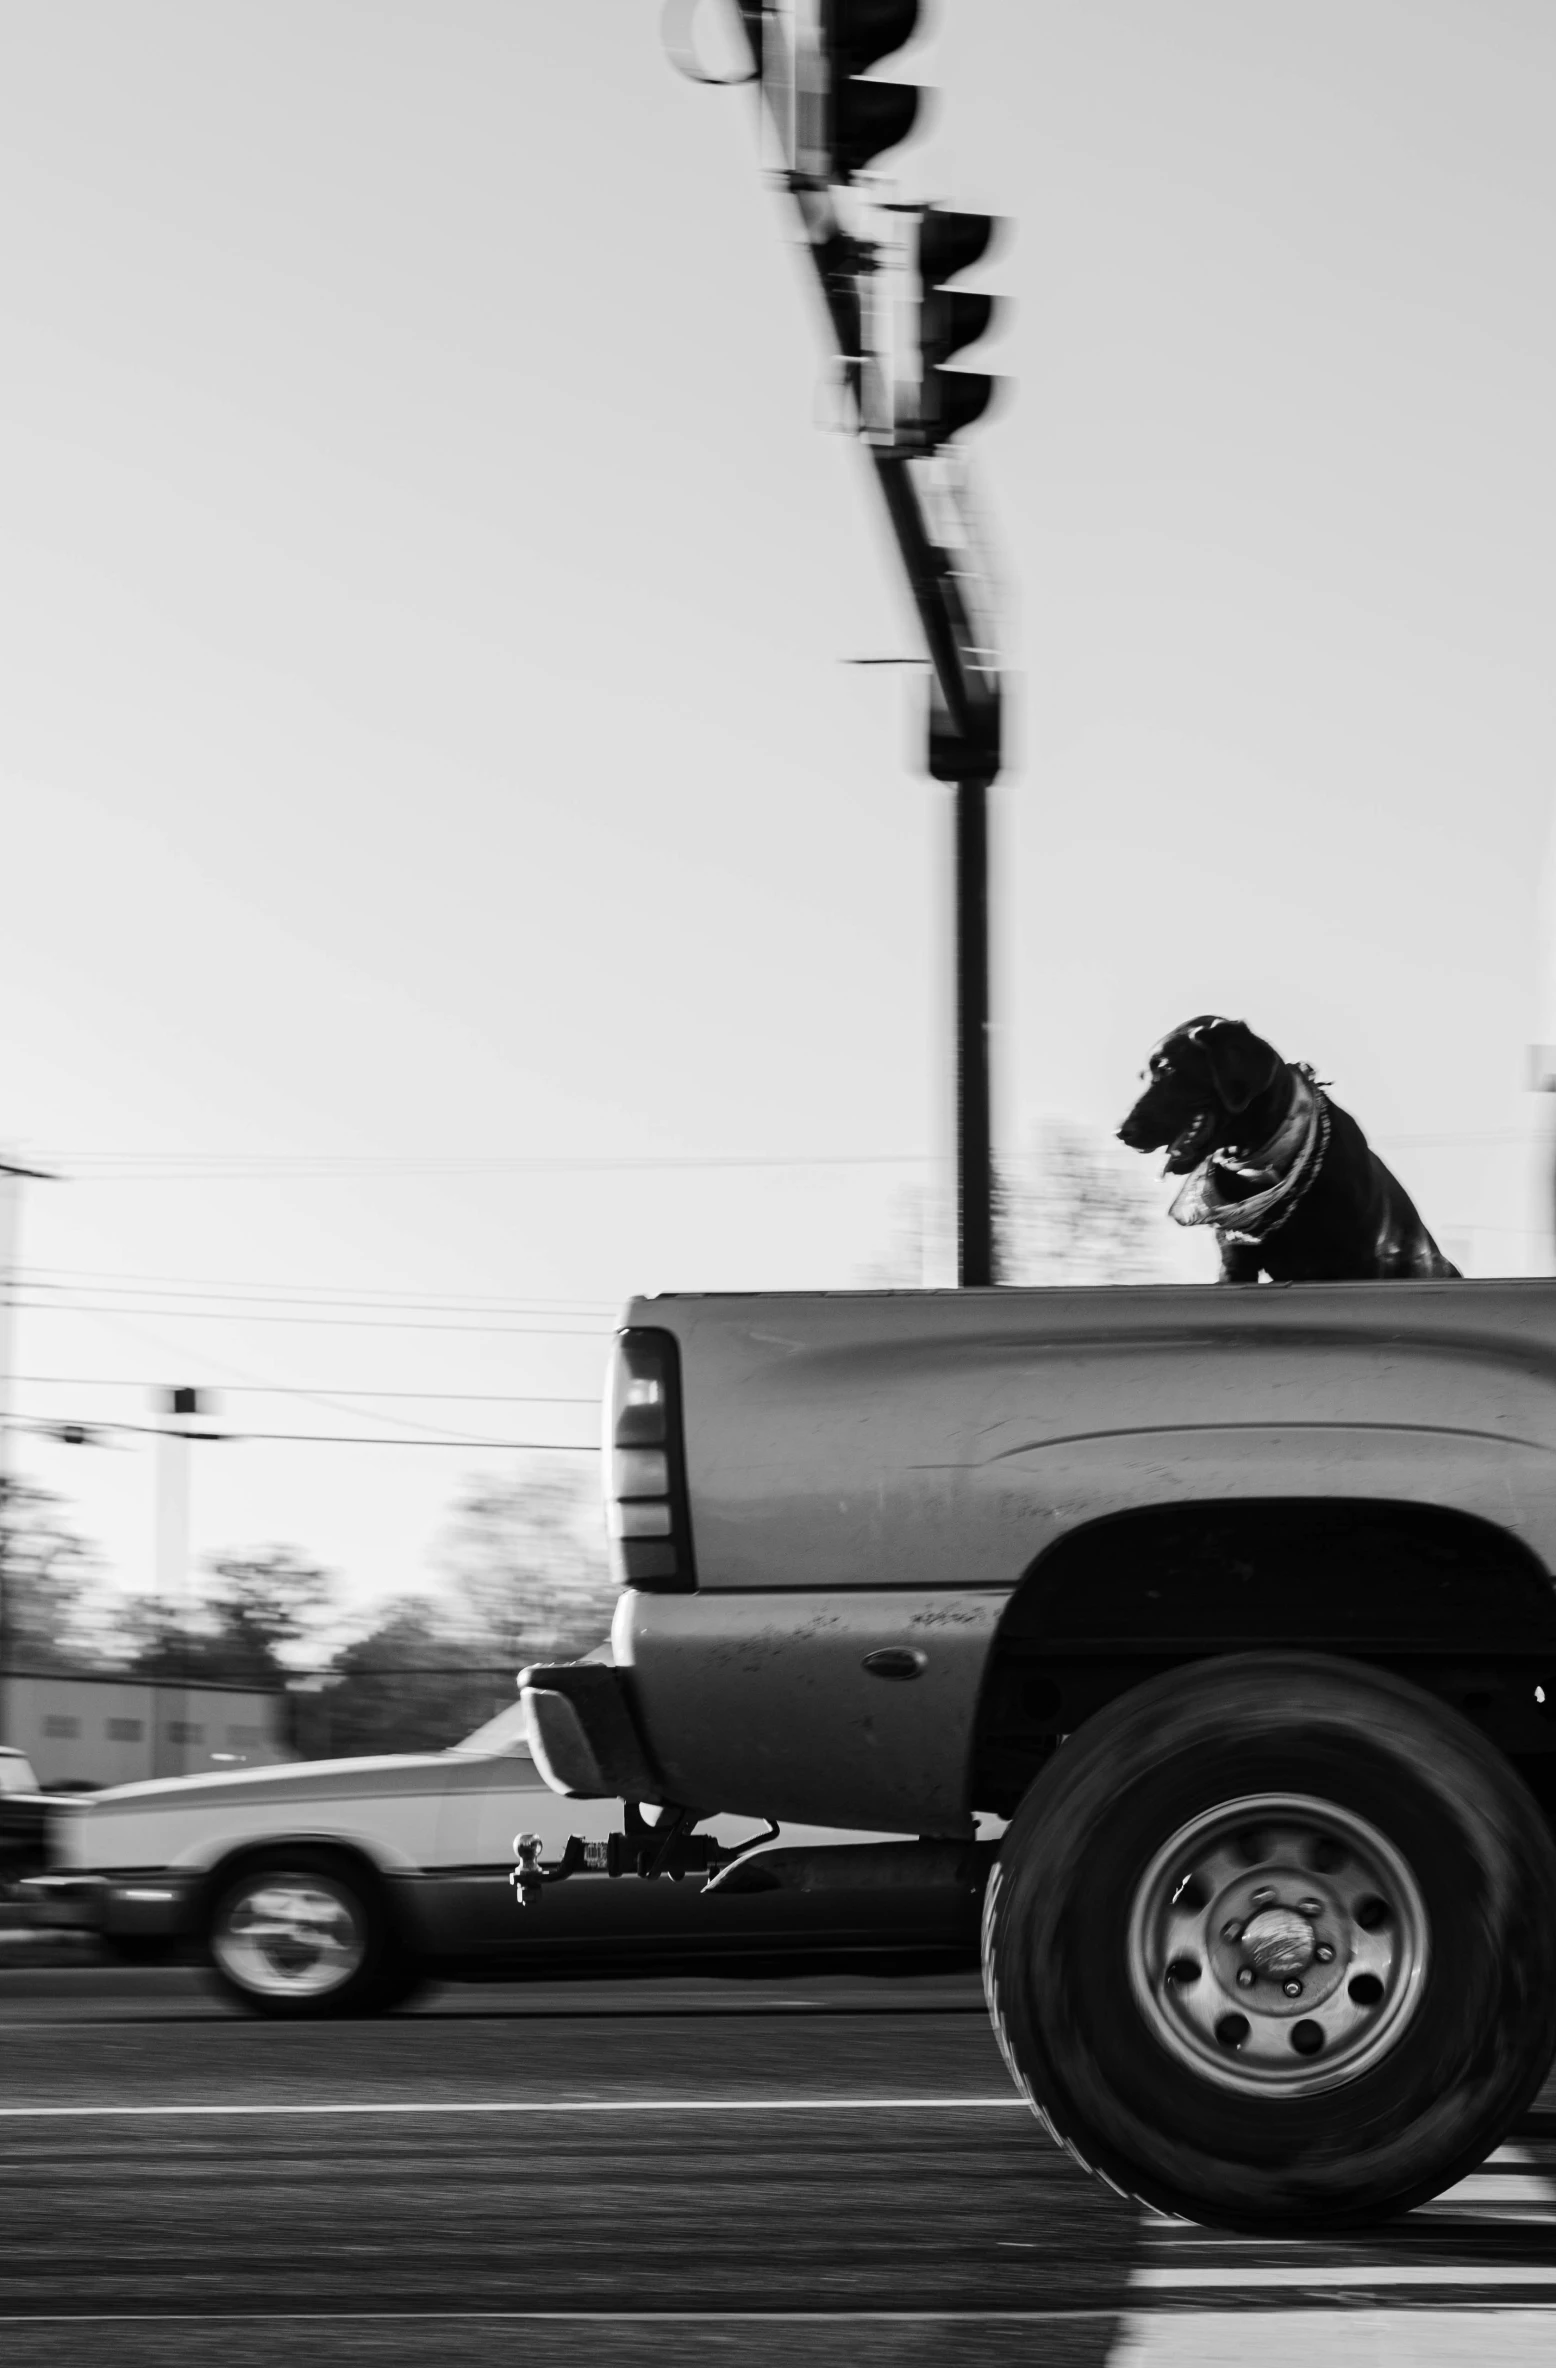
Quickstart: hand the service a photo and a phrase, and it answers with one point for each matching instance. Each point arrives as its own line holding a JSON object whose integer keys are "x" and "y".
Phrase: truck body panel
{"x": 876, "y": 1470}
{"x": 932, "y": 1439}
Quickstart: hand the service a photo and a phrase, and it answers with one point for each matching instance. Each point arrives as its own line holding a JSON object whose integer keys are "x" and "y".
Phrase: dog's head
{"x": 1202, "y": 1077}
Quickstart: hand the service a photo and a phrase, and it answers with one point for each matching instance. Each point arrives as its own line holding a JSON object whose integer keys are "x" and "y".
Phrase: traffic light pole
{"x": 975, "y": 1227}
{"x": 964, "y": 730}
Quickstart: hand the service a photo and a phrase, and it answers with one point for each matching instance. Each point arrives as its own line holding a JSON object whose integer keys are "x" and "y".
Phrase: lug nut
{"x": 1263, "y": 1896}
{"x": 1232, "y": 1931}
{"x": 1324, "y": 1953}
{"x": 1246, "y": 1977}
{"x": 1310, "y": 1907}
{"x": 1292, "y": 1989}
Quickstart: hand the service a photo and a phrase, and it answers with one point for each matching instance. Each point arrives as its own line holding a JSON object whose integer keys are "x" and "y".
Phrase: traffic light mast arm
{"x": 967, "y": 745}
{"x": 965, "y": 733}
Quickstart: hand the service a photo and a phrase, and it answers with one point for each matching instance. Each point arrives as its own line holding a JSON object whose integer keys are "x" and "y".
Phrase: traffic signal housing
{"x": 864, "y": 118}
{"x": 949, "y": 319}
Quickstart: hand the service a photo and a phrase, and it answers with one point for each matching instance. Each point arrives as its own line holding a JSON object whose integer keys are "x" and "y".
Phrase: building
{"x": 92, "y": 1731}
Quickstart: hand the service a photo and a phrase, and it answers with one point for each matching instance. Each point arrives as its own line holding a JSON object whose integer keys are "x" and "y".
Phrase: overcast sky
{"x": 426, "y": 576}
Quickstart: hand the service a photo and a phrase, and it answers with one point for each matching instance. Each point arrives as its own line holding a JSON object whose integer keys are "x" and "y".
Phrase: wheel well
{"x": 354, "y": 1860}
{"x": 1449, "y": 1600}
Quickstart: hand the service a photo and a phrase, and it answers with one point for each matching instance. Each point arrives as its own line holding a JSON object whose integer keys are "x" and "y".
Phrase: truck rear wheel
{"x": 1272, "y": 1944}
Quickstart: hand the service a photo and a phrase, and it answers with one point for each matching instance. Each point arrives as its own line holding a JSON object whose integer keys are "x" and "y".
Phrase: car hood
{"x": 316, "y": 1780}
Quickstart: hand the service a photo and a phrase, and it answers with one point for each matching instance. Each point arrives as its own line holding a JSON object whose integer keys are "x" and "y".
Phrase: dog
{"x": 1283, "y": 1174}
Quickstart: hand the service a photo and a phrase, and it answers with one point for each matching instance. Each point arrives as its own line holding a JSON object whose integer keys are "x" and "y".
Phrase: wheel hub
{"x": 288, "y": 1934}
{"x": 1277, "y": 1941}
{"x": 1278, "y": 1944}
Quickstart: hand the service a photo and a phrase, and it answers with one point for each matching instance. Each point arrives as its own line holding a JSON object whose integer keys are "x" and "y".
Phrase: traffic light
{"x": 950, "y": 318}
{"x": 863, "y": 118}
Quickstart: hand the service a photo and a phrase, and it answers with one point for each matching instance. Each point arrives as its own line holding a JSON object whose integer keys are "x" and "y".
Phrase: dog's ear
{"x": 1241, "y": 1063}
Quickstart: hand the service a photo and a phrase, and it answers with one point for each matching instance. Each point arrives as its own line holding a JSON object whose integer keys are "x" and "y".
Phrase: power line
{"x": 341, "y": 1402}
{"x": 222, "y": 1315}
{"x": 227, "y": 1167}
{"x": 154, "y": 1430}
{"x": 341, "y": 1439}
{"x": 133, "y": 1298}
{"x": 288, "y": 1389}
{"x": 292, "y": 1294}
{"x": 130, "y": 1167}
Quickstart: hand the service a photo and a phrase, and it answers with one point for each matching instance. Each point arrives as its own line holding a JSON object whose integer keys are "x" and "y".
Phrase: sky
{"x": 454, "y": 877}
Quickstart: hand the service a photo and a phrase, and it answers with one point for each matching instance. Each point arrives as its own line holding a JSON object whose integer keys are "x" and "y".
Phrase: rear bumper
{"x": 143, "y": 1906}
{"x": 584, "y": 1733}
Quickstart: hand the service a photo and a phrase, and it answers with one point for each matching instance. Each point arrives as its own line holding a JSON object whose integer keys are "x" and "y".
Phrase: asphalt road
{"x": 659, "y": 2171}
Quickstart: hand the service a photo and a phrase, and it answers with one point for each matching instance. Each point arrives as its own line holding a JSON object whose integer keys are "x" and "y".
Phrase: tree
{"x": 1071, "y": 1213}
{"x": 527, "y": 1579}
{"x": 246, "y": 1629}
{"x": 406, "y": 1684}
{"x": 270, "y": 1607}
{"x": 55, "y": 1610}
{"x": 527, "y": 1558}
{"x": 922, "y": 1248}
{"x": 1075, "y": 1214}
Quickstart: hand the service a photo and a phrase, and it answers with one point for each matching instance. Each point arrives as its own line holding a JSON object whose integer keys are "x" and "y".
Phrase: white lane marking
{"x": 1512, "y": 2337}
{"x": 1353, "y": 2275}
{"x": 1508, "y": 2186}
{"x": 526, "y": 2105}
{"x": 580, "y": 2318}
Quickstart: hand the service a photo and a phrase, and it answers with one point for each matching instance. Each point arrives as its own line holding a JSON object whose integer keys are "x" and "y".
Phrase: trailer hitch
{"x": 670, "y": 1848}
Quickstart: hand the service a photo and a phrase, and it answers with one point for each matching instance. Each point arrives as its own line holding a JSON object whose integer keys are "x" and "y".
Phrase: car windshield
{"x": 503, "y": 1733}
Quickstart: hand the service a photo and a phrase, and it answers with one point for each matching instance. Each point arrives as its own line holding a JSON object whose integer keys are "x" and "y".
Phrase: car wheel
{"x": 305, "y": 1932}
{"x": 1272, "y": 1944}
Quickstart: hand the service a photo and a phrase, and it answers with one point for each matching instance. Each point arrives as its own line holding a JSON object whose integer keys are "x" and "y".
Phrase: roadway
{"x": 677, "y": 2170}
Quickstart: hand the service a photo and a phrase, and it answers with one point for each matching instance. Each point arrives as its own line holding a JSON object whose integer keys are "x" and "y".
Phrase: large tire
{"x": 299, "y": 1933}
{"x": 1408, "y": 1886}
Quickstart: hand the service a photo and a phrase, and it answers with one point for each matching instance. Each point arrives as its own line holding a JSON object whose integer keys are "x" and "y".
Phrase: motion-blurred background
{"x": 452, "y": 876}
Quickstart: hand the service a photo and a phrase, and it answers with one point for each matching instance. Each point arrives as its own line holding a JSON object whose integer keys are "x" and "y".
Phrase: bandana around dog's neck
{"x": 1281, "y": 1170}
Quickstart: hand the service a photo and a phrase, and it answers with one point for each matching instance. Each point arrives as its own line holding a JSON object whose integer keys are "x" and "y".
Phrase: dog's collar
{"x": 1291, "y": 1159}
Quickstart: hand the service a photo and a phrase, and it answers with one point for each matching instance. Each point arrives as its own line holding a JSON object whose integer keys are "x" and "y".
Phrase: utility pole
{"x": 12, "y": 1177}
{"x": 881, "y": 269}
{"x": 181, "y": 1406}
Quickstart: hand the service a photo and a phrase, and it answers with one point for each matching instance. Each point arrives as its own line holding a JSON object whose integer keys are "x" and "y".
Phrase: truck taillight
{"x": 645, "y": 1473}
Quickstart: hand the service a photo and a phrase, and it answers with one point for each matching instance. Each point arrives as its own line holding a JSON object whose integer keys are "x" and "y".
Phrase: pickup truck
{"x": 1237, "y": 1604}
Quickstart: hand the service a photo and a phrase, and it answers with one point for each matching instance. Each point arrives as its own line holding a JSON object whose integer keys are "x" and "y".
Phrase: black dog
{"x": 1282, "y": 1173}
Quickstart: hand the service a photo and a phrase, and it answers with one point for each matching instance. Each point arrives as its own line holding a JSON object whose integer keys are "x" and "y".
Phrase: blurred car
{"x": 337, "y": 1886}
{"x": 30, "y": 1822}
{"x": 24, "y": 1820}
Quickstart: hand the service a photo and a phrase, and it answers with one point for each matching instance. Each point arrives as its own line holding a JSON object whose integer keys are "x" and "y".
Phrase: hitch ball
{"x": 526, "y": 1877}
